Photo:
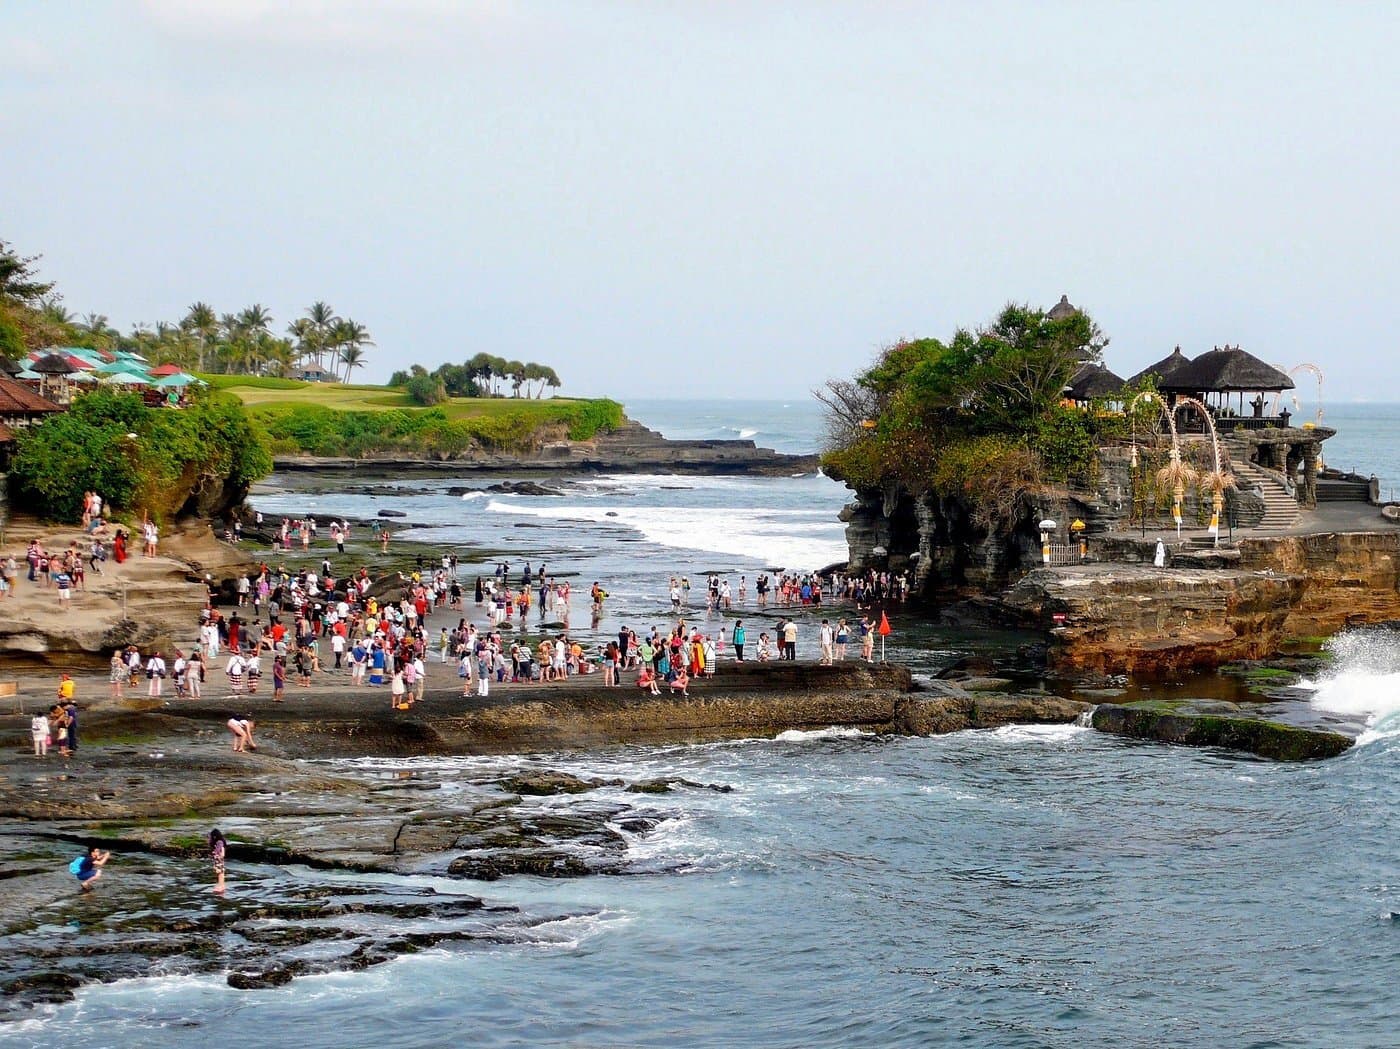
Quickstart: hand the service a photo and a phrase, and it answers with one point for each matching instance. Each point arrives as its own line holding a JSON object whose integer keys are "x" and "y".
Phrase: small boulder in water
{"x": 540, "y": 784}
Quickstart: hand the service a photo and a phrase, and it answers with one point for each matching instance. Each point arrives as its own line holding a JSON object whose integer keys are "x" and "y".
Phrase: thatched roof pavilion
{"x": 1230, "y": 369}
{"x": 1165, "y": 369}
{"x": 53, "y": 364}
{"x": 1093, "y": 380}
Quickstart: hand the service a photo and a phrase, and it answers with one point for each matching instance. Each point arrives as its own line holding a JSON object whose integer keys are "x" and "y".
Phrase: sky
{"x": 711, "y": 199}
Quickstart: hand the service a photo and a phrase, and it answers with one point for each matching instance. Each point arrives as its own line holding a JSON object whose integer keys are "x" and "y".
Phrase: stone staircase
{"x": 1281, "y": 509}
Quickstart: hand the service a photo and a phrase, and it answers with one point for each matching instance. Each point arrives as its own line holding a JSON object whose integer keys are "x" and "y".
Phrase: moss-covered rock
{"x": 1217, "y": 724}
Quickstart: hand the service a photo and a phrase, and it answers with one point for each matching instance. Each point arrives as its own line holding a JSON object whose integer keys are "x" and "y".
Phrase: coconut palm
{"x": 352, "y": 357}
{"x": 323, "y": 321}
{"x": 202, "y": 324}
{"x": 348, "y": 335}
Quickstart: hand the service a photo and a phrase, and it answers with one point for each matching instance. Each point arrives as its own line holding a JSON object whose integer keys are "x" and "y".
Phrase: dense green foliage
{"x": 319, "y": 430}
{"x": 978, "y": 417}
{"x": 478, "y": 377}
{"x": 138, "y": 458}
{"x": 426, "y": 389}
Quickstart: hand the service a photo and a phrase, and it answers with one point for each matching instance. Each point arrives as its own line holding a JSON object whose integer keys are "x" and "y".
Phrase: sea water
{"x": 1030, "y": 886}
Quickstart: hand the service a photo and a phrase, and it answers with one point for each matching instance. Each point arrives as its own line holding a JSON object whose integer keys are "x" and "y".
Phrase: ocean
{"x": 1030, "y": 886}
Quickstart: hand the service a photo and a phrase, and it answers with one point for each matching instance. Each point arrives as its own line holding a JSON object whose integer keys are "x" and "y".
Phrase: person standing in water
{"x": 218, "y": 851}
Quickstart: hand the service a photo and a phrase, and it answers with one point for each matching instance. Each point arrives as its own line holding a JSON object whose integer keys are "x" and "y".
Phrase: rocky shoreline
{"x": 313, "y": 842}
{"x": 631, "y": 448}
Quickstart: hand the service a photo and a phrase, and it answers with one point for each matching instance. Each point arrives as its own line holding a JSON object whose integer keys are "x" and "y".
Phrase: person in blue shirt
{"x": 88, "y": 868}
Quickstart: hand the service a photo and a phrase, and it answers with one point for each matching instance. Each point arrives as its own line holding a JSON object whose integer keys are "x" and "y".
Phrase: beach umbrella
{"x": 125, "y": 379}
{"x": 177, "y": 379}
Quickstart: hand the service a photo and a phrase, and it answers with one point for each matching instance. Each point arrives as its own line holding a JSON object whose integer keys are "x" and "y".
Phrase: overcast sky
{"x": 722, "y": 198}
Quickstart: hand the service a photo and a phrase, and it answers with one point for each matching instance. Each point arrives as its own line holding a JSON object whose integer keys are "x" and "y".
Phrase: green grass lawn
{"x": 347, "y": 419}
{"x": 258, "y": 391}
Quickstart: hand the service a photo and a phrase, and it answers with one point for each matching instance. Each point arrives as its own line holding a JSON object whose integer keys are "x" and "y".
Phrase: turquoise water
{"x": 1024, "y": 887}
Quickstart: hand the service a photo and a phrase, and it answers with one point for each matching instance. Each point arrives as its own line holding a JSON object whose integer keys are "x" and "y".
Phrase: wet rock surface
{"x": 309, "y": 849}
{"x": 1214, "y": 723}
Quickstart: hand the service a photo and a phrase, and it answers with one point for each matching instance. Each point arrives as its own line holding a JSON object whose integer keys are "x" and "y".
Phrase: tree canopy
{"x": 972, "y": 415}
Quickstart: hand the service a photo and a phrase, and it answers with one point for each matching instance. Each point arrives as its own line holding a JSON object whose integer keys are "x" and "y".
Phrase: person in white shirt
{"x": 827, "y": 636}
{"x": 181, "y": 671}
{"x": 155, "y": 670}
{"x": 235, "y": 670}
{"x": 420, "y": 676}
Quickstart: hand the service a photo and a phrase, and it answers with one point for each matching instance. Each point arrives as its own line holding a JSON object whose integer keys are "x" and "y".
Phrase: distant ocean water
{"x": 1026, "y": 887}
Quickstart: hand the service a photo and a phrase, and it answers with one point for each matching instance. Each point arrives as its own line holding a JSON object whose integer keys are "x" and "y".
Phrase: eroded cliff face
{"x": 1136, "y": 618}
{"x": 1349, "y": 578}
{"x": 1139, "y": 619}
{"x": 939, "y": 538}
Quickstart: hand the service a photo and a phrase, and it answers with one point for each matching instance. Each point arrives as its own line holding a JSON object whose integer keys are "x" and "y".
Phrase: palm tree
{"x": 551, "y": 379}
{"x": 201, "y": 322}
{"x": 256, "y": 318}
{"x": 515, "y": 372}
{"x": 348, "y": 335}
{"x": 323, "y": 321}
{"x": 352, "y": 357}
{"x": 102, "y": 332}
{"x": 53, "y": 310}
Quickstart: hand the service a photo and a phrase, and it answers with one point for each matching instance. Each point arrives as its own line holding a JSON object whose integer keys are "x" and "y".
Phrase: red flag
{"x": 884, "y": 625}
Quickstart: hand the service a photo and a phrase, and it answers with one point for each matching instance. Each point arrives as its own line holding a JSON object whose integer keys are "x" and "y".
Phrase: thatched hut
{"x": 1165, "y": 370}
{"x": 55, "y": 378}
{"x": 1091, "y": 381}
{"x": 1230, "y": 371}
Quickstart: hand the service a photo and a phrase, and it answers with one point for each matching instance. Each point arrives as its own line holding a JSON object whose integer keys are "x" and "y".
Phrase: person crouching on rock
{"x": 89, "y": 867}
{"x": 242, "y": 731}
{"x": 647, "y": 679}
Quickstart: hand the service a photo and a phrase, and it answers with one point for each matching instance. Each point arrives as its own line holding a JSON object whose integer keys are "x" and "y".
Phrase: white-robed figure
{"x": 1159, "y": 559}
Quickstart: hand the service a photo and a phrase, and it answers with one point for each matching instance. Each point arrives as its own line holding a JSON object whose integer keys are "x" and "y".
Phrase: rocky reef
{"x": 1218, "y": 724}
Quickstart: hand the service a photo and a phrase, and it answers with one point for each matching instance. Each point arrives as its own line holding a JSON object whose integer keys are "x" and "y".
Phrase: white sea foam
{"x": 1039, "y": 733}
{"x": 797, "y": 539}
{"x": 797, "y": 735}
{"x": 1364, "y": 682}
{"x": 473, "y": 495}
{"x": 748, "y": 433}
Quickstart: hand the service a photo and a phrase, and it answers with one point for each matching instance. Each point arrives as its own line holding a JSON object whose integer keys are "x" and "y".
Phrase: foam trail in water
{"x": 1364, "y": 681}
{"x": 797, "y": 735}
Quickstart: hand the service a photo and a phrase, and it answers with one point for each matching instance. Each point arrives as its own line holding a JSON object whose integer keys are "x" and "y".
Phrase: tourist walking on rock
{"x": 218, "y": 854}
{"x": 1159, "y": 559}
{"x": 740, "y": 635}
{"x": 843, "y": 635}
{"x": 790, "y": 640}
{"x": 827, "y": 638}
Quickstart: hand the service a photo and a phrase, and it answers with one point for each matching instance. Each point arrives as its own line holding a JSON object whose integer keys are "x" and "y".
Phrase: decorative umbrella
{"x": 126, "y": 379}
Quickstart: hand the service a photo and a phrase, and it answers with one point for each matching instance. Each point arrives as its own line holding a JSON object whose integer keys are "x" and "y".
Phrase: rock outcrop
{"x": 631, "y": 448}
{"x": 1115, "y": 618}
{"x": 1140, "y": 619}
{"x": 1215, "y": 724}
{"x": 920, "y": 716}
